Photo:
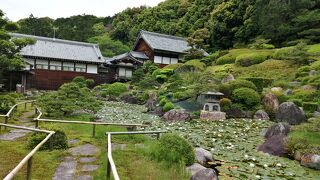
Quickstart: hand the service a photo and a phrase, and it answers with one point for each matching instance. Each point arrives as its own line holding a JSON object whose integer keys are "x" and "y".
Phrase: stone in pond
{"x": 130, "y": 99}
{"x": 311, "y": 161}
{"x": 261, "y": 114}
{"x": 177, "y": 115}
{"x": 205, "y": 174}
{"x": 152, "y": 102}
{"x": 212, "y": 115}
{"x": 274, "y": 146}
{"x": 194, "y": 168}
{"x": 277, "y": 129}
{"x": 203, "y": 156}
{"x": 290, "y": 113}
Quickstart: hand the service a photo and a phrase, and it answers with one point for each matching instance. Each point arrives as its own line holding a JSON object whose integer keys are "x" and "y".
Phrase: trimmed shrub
{"x": 310, "y": 106}
{"x": 225, "y": 104}
{"x": 241, "y": 83}
{"x": 149, "y": 82}
{"x": 196, "y": 64}
{"x": 281, "y": 97}
{"x": 246, "y": 97}
{"x": 296, "y": 53}
{"x": 246, "y": 60}
{"x": 173, "y": 149}
{"x": 260, "y": 82}
{"x": 168, "y": 106}
{"x": 59, "y": 140}
{"x": 226, "y": 59}
{"x": 116, "y": 89}
{"x": 173, "y": 66}
{"x": 6, "y": 102}
{"x": 163, "y": 101}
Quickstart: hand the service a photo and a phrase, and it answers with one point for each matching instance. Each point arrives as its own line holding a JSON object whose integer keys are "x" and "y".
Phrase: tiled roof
{"x": 164, "y": 42}
{"x": 133, "y": 54}
{"x": 61, "y": 49}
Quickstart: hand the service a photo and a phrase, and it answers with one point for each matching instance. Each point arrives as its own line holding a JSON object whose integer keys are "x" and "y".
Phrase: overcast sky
{"x": 18, "y": 9}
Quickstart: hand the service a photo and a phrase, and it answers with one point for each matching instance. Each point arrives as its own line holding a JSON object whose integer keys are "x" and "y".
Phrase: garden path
{"x": 80, "y": 164}
{"x": 14, "y": 134}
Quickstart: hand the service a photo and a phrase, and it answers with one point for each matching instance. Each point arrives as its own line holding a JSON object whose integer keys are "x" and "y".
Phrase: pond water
{"x": 233, "y": 141}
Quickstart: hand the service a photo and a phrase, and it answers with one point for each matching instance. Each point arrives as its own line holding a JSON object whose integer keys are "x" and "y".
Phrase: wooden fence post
{"x": 93, "y": 130}
{"x": 6, "y": 122}
{"x": 37, "y": 123}
{"x": 158, "y": 136}
{"x": 29, "y": 169}
{"x": 25, "y": 105}
{"x": 108, "y": 171}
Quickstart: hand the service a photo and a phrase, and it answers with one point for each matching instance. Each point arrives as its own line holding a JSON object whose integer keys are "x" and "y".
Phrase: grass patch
{"x": 314, "y": 49}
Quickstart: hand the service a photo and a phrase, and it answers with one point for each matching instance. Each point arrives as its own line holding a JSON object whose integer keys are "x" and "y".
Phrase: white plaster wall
{"x": 92, "y": 68}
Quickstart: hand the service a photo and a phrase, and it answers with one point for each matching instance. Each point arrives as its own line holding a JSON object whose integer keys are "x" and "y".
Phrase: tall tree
{"x": 36, "y": 26}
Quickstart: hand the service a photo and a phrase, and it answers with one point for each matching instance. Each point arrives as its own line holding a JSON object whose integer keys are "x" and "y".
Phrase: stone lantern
{"x": 211, "y": 108}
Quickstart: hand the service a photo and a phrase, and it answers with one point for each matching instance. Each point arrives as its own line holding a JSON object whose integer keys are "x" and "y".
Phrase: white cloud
{"x": 18, "y": 9}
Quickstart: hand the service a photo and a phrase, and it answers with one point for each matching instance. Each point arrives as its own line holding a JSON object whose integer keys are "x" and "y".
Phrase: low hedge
{"x": 260, "y": 82}
{"x": 246, "y": 60}
{"x": 226, "y": 59}
{"x": 6, "y": 102}
{"x": 247, "y": 97}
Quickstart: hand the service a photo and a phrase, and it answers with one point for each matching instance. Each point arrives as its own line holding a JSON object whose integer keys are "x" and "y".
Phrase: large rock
{"x": 234, "y": 113}
{"x": 277, "y": 129}
{"x": 127, "y": 98}
{"x": 288, "y": 92}
{"x": 290, "y": 113}
{"x": 205, "y": 174}
{"x": 227, "y": 78}
{"x": 274, "y": 145}
{"x": 261, "y": 114}
{"x": 311, "y": 161}
{"x": 158, "y": 111}
{"x": 152, "y": 102}
{"x": 194, "y": 168}
{"x": 177, "y": 115}
{"x": 307, "y": 87}
{"x": 276, "y": 89}
{"x": 270, "y": 101}
{"x": 215, "y": 115}
{"x": 203, "y": 156}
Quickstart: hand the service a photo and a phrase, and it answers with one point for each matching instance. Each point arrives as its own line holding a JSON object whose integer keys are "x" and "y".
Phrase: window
{"x": 41, "y": 64}
{"x": 68, "y": 66}
{"x": 55, "y": 65}
{"x": 165, "y": 60}
{"x": 80, "y": 67}
{"x": 125, "y": 72}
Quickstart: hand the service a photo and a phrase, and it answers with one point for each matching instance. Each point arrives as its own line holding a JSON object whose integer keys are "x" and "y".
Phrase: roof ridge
{"x": 163, "y": 35}
{"x": 53, "y": 39}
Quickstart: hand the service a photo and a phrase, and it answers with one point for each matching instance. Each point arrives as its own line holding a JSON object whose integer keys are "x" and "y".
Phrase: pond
{"x": 233, "y": 141}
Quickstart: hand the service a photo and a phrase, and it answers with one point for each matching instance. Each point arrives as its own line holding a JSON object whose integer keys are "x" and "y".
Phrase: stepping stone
{"x": 89, "y": 167}
{"x": 20, "y": 131}
{"x": 66, "y": 169}
{"x": 88, "y": 159}
{"x": 84, "y": 150}
{"x": 73, "y": 141}
{"x": 11, "y": 136}
{"x": 84, "y": 177}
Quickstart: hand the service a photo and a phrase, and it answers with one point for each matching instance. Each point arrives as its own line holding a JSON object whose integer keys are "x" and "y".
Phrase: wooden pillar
{"x": 108, "y": 170}
{"x": 93, "y": 130}
{"x": 29, "y": 169}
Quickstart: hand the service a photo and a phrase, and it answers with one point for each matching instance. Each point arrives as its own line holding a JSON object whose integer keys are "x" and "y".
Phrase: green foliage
{"x": 226, "y": 59}
{"x": 168, "y": 106}
{"x": 246, "y": 97}
{"x": 163, "y": 101}
{"x": 260, "y": 82}
{"x": 198, "y": 42}
{"x": 173, "y": 149}
{"x": 225, "y": 104}
{"x": 70, "y": 97}
{"x": 296, "y": 53}
{"x": 196, "y": 65}
{"x": 281, "y": 97}
{"x": 137, "y": 75}
{"x": 310, "y": 106}
{"x": 83, "y": 82}
{"x": 173, "y": 66}
{"x": 250, "y": 59}
{"x": 304, "y": 138}
{"x": 297, "y": 102}
{"x": 108, "y": 46}
{"x": 240, "y": 83}
{"x": 6, "y": 102}
{"x": 261, "y": 43}
{"x": 314, "y": 49}
{"x": 36, "y": 26}
{"x": 115, "y": 89}
{"x": 148, "y": 82}
{"x": 58, "y": 140}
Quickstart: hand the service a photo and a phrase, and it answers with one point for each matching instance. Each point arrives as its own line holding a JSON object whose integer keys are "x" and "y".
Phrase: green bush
{"x": 196, "y": 64}
{"x": 149, "y": 82}
{"x": 6, "y": 102}
{"x": 173, "y": 149}
{"x": 240, "y": 83}
{"x": 137, "y": 75}
{"x": 296, "y": 53}
{"x": 260, "y": 82}
{"x": 281, "y": 97}
{"x": 226, "y": 59}
{"x": 225, "y": 104}
{"x": 115, "y": 89}
{"x": 163, "y": 101}
{"x": 173, "y": 66}
{"x": 168, "y": 106}
{"x": 83, "y": 82}
{"x": 246, "y": 60}
{"x": 247, "y": 97}
{"x": 310, "y": 106}
{"x": 59, "y": 140}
